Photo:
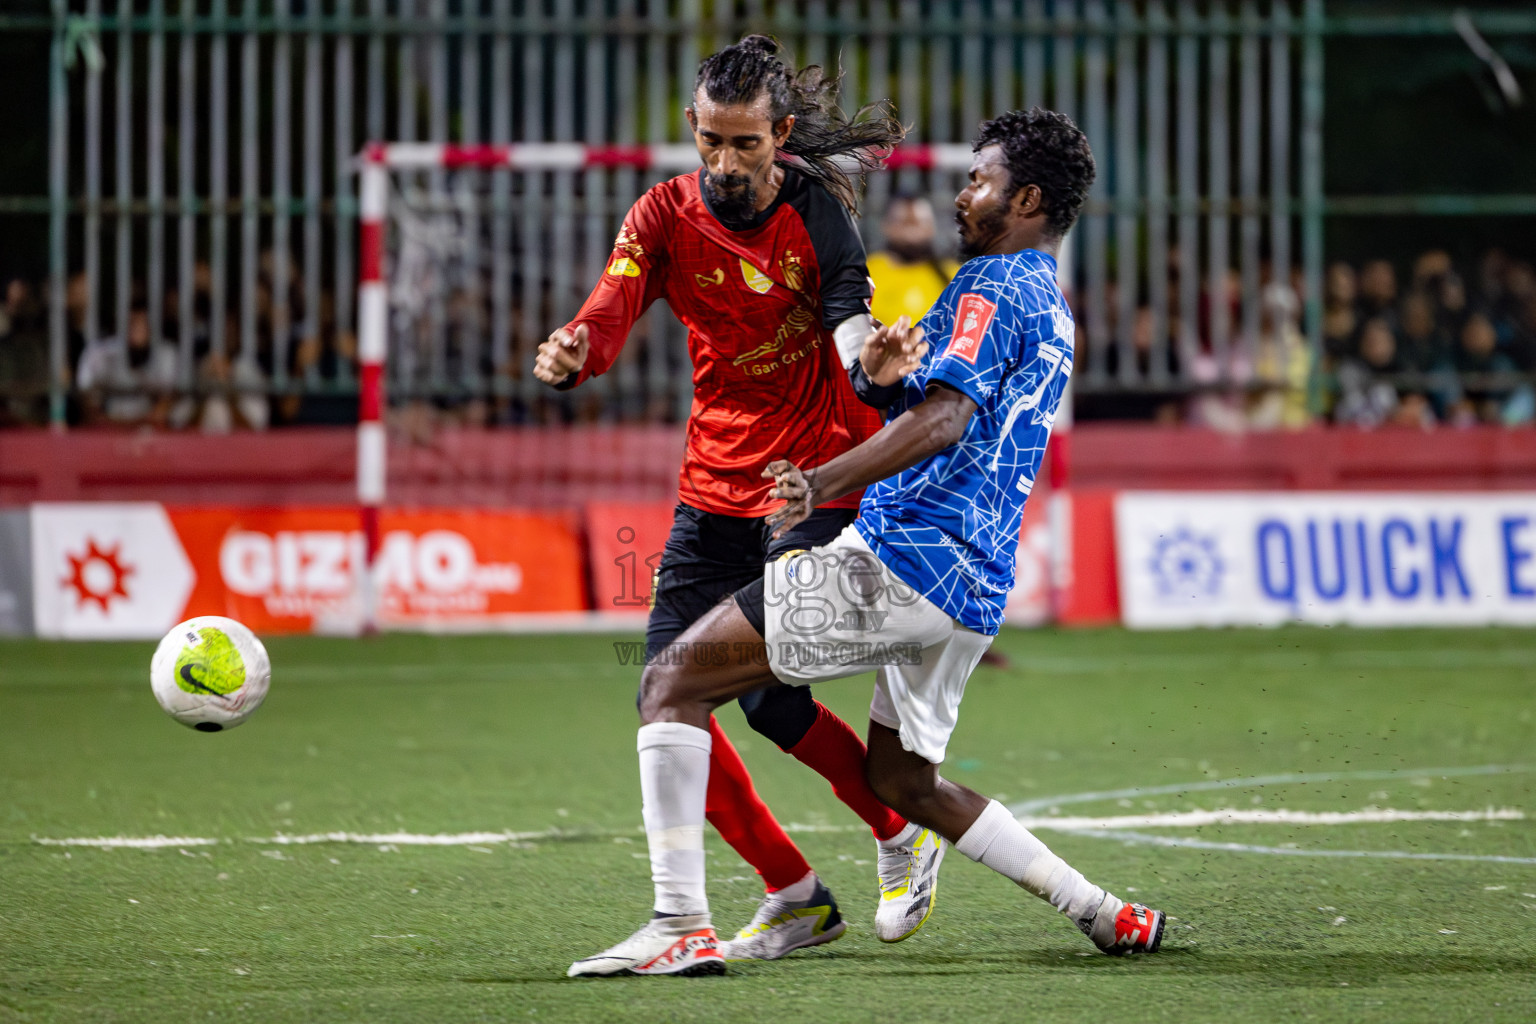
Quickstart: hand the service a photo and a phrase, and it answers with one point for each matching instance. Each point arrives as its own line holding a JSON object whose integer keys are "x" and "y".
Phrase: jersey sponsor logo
{"x": 623, "y": 266}
{"x": 971, "y": 319}
{"x": 705, "y": 280}
{"x": 628, "y": 242}
{"x": 756, "y": 279}
{"x": 793, "y": 326}
{"x": 793, "y": 270}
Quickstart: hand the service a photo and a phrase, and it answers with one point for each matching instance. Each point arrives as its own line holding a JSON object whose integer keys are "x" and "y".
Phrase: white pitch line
{"x": 1028, "y": 812}
{"x": 357, "y": 838}
{"x": 1025, "y": 809}
{"x": 408, "y": 838}
{"x": 1144, "y": 839}
{"x": 1113, "y": 825}
{"x": 1032, "y": 807}
{"x": 129, "y": 842}
{"x": 1268, "y": 816}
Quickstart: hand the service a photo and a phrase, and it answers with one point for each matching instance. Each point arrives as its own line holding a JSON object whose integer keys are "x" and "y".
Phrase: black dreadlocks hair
{"x": 743, "y": 72}
{"x": 1046, "y": 149}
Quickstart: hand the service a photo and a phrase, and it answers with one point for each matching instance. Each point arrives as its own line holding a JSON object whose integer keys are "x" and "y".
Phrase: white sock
{"x": 674, "y": 777}
{"x": 902, "y": 838}
{"x": 798, "y": 891}
{"x": 997, "y": 840}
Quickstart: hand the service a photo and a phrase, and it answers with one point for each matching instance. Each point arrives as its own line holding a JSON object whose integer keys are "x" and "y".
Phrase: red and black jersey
{"x": 760, "y": 306}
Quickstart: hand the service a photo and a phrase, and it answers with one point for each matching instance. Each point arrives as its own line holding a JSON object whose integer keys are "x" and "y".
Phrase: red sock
{"x": 744, "y": 821}
{"x": 832, "y": 749}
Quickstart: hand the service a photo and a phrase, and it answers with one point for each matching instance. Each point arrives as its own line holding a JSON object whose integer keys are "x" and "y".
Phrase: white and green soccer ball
{"x": 210, "y": 673}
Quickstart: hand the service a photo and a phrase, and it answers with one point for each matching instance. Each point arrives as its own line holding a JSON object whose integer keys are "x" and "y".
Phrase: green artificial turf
{"x": 426, "y": 735}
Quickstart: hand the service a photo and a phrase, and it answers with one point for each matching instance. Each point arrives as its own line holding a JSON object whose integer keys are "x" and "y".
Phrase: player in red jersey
{"x": 760, "y": 259}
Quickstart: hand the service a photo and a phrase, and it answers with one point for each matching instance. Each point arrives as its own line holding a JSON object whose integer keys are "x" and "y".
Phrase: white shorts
{"x": 837, "y": 611}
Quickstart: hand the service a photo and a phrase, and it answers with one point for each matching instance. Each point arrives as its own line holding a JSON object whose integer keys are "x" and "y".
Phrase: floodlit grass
{"x": 536, "y": 735}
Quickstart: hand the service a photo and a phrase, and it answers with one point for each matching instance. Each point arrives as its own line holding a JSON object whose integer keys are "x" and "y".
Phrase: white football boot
{"x": 666, "y": 945}
{"x": 782, "y": 926}
{"x": 909, "y": 880}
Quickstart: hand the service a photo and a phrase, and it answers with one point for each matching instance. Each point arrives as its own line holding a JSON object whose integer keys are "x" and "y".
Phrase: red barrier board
{"x": 1093, "y": 599}
{"x": 132, "y": 570}
{"x": 625, "y": 540}
{"x": 1029, "y": 603}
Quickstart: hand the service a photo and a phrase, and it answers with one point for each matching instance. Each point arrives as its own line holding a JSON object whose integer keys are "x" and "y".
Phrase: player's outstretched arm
{"x": 590, "y": 342}
{"x": 893, "y": 351}
{"x": 926, "y": 429}
{"x": 562, "y": 354}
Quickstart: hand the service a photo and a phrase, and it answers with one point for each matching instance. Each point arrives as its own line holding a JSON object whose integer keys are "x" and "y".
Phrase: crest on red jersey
{"x": 756, "y": 279}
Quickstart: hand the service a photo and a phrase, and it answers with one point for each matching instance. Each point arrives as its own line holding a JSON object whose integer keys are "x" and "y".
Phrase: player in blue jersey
{"x": 915, "y": 586}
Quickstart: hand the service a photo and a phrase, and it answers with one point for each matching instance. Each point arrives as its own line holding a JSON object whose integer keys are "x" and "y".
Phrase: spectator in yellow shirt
{"x": 908, "y": 274}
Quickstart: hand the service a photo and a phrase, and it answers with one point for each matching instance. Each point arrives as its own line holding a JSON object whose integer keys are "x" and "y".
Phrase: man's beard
{"x": 138, "y": 356}
{"x": 988, "y": 226}
{"x": 911, "y": 252}
{"x": 736, "y": 208}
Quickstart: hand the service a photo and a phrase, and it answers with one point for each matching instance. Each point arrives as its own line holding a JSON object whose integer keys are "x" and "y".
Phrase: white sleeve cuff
{"x": 850, "y": 335}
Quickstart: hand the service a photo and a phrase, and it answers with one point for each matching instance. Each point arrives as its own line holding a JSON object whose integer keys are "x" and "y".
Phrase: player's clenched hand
{"x": 790, "y": 484}
{"x": 561, "y": 355}
{"x": 893, "y": 351}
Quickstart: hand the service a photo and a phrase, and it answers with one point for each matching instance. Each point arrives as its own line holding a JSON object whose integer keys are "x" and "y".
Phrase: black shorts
{"x": 709, "y": 555}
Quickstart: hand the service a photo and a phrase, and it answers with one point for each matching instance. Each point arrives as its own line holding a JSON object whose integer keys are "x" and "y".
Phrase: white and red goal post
{"x": 379, "y": 160}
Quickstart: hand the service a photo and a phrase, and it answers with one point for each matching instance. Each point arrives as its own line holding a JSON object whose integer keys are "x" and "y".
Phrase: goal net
{"x": 467, "y": 256}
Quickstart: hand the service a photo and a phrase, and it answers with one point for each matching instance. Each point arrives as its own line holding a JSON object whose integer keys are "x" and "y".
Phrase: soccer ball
{"x": 210, "y": 673}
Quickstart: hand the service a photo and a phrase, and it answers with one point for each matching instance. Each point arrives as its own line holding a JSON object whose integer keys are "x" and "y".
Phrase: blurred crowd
{"x": 1447, "y": 344}
{"x": 134, "y": 379}
{"x": 1418, "y": 344}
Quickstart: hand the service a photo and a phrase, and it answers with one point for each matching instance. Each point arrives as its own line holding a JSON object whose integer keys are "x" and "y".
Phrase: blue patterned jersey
{"x": 949, "y": 526}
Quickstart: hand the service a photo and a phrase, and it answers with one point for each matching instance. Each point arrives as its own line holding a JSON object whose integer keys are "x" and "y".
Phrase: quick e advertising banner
{"x": 1365, "y": 559}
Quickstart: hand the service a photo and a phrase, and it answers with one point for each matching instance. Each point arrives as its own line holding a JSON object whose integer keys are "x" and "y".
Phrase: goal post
{"x": 380, "y": 161}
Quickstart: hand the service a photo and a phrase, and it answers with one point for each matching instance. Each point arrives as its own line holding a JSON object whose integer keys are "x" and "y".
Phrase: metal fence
{"x": 202, "y": 152}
